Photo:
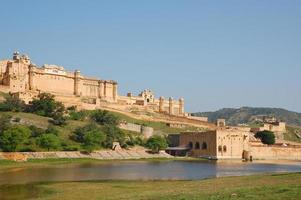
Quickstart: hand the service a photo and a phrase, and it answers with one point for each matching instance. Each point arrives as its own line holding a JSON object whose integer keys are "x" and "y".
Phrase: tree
{"x": 80, "y": 132}
{"x": 93, "y": 139}
{"x": 48, "y": 141}
{"x": 113, "y": 134}
{"x": 12, "y": 103}
{"x": 266, "y": 137}
{"x": 156, "y": 143}
{"x": 13, "y": 137}
{"x": 45, "y": 105}
{"x": 103, "y": 117}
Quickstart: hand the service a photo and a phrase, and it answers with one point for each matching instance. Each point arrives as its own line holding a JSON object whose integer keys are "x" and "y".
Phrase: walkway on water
{"x": 102, "y": 154}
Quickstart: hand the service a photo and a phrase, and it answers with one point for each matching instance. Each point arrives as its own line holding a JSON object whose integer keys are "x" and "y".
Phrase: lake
{"x": 145, "y": 170}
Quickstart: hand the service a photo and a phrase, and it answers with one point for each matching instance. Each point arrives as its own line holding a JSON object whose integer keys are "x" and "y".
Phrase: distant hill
{"x": 242, "y": 115}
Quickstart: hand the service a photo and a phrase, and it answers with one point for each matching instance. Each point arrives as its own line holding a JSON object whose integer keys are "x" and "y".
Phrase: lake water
{"x": 144, "y": 170}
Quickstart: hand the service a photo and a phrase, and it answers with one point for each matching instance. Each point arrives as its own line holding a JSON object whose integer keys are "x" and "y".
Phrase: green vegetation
{"x": 267, "y": 187}
{"x": 246, "y": 115}
{"x": 53, "y": 127}
{"x": 12, "y": 137}
{"x": 156, "y": 143}
{"x": 291, "y": 134}
{"x": 266, "y": 137}
{"x": 49, "y": 141}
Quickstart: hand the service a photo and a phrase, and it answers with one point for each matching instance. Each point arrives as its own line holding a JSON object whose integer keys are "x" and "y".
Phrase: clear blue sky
{"x": 213, "y": 53}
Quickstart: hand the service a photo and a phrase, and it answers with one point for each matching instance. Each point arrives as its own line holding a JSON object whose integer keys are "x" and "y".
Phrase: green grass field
{"x": 259, "y": 187}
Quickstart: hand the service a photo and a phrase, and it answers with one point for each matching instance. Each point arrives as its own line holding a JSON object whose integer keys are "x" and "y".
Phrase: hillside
{"x": 248, "y": 114}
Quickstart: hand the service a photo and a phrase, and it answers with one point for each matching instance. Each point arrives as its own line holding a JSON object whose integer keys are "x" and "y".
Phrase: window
{"x": 225, "y": 148}
{"x": 197, "y": 145}
{"x": 190, "y": 145}
{"x": 220, "y": 148}
{"x": 204, "y": 145}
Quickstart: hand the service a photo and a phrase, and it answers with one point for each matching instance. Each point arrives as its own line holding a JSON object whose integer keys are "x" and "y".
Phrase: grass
{"x": 261, "y": 187}
{"x": 290, "y": 134}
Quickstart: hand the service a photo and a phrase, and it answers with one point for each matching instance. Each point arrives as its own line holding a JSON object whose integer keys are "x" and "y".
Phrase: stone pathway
{"x": 103, "y": 154}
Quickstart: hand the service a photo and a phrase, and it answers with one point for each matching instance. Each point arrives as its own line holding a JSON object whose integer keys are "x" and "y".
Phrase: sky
{"x": 215, "y": 54}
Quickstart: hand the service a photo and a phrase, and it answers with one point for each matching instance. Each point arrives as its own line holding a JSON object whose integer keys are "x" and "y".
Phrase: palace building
{"x": 20, "y": 77}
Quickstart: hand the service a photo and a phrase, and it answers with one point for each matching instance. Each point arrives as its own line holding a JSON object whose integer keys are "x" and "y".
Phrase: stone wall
{"x": 144, "y": 130}
{"x": 276, "y": 152}
{"x": 103, "y": 155}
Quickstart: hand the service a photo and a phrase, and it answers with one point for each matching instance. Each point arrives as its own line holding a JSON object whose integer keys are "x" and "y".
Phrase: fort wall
{"x": 276, "y": 152}
{"x": 23, "y": 79}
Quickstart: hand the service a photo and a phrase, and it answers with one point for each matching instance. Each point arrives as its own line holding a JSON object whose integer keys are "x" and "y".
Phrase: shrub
{"x": 58, "y": 119}
{"x": 113, "y": 134}
{"x": 52, "y": 130}
{"x": 103, "y": 117}
{"x": 93, "y": 139}
{"x": 12, "y": 103}
{"x": 81, "y": 115}
{"x": 266, "y": 137}
{"x": 4, "y": 122}
{"x": 35, "y": 131}
{"x": 48, "y": 141}
{"x": 13, "y": 137}
{"x": 79, "y": 132}
{"x": 156, "y": 143}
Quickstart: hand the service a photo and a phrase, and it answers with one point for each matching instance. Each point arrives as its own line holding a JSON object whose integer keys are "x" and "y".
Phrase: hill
{"x": 248, "y": 114}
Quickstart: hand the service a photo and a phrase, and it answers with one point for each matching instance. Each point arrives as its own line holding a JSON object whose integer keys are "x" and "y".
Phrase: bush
{"x": 35, "y": 131}
{"x": 81, "y": 115}
{"x": 58, "y": 119}
{"x": 13, "y": 137}
{"x": 52, "y": 130}
{"x": 93, "y": 139}
{"x": 80, "y": 132}
{"x": 266, "y": 137}
{"x": 48, "y": 141}
{"x": 113, "y": 134}
{"x": 12, "y": 103}
{"x": 156, "y": 143}
{"x": 4, "y": 122}
{"x": 103, "y": 117}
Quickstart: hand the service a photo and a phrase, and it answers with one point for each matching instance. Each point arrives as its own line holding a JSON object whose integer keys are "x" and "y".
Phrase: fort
{"x": 234, "y": 142}
{"x": 20, "y": 77}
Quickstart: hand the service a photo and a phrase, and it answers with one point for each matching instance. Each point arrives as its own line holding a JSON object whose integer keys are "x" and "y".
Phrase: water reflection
{"x": 145, "y": 170}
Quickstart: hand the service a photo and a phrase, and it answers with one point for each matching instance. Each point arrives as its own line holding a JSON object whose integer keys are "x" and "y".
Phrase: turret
{"x": 170, "y": 105}
{"x": 181, "y": 106}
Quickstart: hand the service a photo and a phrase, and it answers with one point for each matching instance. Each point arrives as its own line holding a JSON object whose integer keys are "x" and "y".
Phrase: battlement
{"x": 23, "y": 78}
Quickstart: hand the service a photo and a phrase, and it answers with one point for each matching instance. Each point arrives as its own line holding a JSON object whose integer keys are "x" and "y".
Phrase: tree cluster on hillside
{"x": 101, "y": 132}
{"x": 266, "y": 137}
{"x": 14, "y": 137}
{"x": 44, "y": 105}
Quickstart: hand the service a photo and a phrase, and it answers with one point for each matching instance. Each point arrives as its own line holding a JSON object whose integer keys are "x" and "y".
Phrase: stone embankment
{"x": 102, "y": 155}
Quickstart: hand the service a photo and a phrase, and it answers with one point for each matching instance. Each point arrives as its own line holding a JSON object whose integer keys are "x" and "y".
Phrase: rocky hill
{"x": 249, "y": 114}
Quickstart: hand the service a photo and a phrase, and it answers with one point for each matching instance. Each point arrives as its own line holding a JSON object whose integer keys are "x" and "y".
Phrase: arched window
{"x": 190, "y": 145}
{"x": 197, "y": 145}
{"x": 225, "y": 148}
{"x": 220, "y": 148}
{"x": 204, "y": 145}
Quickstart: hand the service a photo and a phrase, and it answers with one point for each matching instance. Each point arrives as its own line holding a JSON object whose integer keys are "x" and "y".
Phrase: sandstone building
{"x": 20, "y": 77}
